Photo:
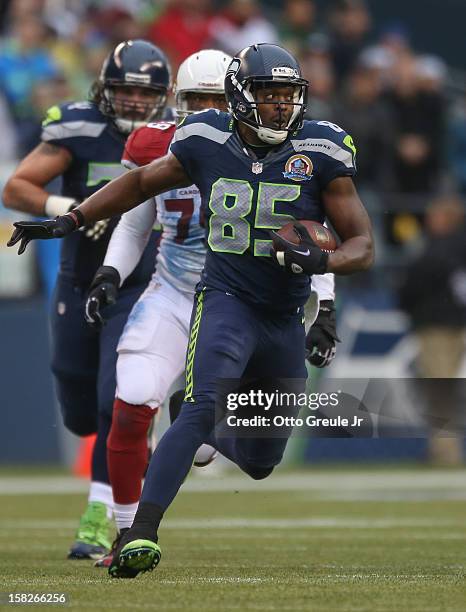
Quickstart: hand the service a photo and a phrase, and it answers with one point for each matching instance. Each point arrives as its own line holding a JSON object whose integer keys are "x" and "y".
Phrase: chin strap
{"x": 270, "y": 136}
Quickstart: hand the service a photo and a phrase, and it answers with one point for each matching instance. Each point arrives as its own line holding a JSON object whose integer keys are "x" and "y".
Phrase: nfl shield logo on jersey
{"x": 257, "y": 167}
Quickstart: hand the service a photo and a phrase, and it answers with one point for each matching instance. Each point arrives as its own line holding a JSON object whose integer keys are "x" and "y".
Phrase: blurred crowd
{"x": 411, "y": 139}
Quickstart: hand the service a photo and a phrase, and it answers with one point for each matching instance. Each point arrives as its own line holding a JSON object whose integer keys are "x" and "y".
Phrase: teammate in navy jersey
{"x": 256, "y": 168}
{"x": 83, "y": 142}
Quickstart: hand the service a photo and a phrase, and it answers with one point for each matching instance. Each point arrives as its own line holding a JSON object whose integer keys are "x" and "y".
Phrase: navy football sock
{"x": 174, "y": 455}
{"x": 146, "y": 522}
{"x": 99, "y": 470}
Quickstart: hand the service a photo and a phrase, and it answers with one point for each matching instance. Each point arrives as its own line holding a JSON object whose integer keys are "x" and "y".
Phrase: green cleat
{"x": 92, "y": 539}
{"x": 135, "y": 557}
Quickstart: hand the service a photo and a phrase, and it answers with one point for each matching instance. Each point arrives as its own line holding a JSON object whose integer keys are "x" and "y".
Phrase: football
{"x": 321, "y": 235}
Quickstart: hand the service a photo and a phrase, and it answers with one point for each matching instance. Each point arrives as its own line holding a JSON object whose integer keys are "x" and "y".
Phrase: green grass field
{"x": 320, "y": 540}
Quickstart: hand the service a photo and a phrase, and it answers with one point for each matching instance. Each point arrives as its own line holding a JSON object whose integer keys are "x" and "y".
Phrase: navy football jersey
{"x": 96, "y": 148}
{"x": 244, "y": 197}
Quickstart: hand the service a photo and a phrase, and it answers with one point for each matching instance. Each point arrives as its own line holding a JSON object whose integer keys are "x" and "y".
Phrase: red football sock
{"x": 127, "y": 450}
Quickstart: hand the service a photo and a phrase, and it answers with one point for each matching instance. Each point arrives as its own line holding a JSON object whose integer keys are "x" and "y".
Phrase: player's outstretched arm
{"x": 133, "y": 188}
{"x": 118, "y": 196}
{"x": 348, "y": 216}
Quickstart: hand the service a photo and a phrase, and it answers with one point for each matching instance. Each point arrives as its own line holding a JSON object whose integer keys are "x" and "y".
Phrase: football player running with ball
{"x": 152, "y": 349}
{"x": 255, "y": 167}
{"x": 83, "y": 143}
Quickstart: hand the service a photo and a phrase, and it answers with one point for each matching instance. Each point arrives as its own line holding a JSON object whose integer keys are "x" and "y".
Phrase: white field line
{"x": 352, "y": 482}
{"x": 400, "y": 495}
{"x": 253, "y": 523}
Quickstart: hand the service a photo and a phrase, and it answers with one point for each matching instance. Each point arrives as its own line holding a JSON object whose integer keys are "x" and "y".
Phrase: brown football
{"x": 321, "y": 235}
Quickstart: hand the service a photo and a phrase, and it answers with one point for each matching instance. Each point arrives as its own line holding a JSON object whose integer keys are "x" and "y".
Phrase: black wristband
{"x": 64, "y": 225}
{"x": 77, "y": 217}
{"x": 323, "y": 263}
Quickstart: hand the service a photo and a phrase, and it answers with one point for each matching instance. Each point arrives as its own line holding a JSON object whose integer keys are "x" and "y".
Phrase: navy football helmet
{"x": 133, "y": 63}
{"x": 265, "y": 65}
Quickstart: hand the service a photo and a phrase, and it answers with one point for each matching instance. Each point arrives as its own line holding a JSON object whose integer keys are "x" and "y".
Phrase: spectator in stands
{"x": 183, "y": 28}
{"x": 80, "y": 56}
{"x": 394, "y": 41}
{"x": 433, "y": 294}
{"x": 8, "y": 150}
{"x": 350, "y": 24}
{"x": 24, "y": 62}
{"x": 242, "y": 24}
{"x": 116, "y": 19}
{"x": 116, "y": 24}
{"x": 319, "y": 72}
{"x": 380, "y": 61}
{"x": 19, "y": 9}
{"x": 298, "y": 20}
{"x": 457, "y": 144}
{"x": 365, "y": 115}
{"x": 420, "y": 129}
{"x": 43, "y": 95}
{"x": 318, "y": 47}
{"x": 4, "y": 10}
{"x": 418, "y": 153}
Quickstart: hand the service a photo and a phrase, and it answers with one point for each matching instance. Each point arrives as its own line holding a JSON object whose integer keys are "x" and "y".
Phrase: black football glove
{"x": 103, "y": 292}
{"x": 322, "y": 336}
{"x": 44, "y": 230}
{"x": 305, "y": 257}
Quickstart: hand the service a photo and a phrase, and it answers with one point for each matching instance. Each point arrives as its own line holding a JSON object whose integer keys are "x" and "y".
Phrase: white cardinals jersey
{"x": 181, "y": 252}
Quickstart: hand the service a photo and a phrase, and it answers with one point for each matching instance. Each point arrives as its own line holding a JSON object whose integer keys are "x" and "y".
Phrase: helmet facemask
{"x": 184, "y": 106}
{"x": 276, "y": 132}
{"x": 129, "y": 114}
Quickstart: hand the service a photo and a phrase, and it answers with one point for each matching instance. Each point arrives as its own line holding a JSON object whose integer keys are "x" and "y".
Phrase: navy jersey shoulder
{"x": 332, "y": 150}
{"x": 66, "y": 123}
{"x": 198, "y": 138}
{"x": 212, "y": 116}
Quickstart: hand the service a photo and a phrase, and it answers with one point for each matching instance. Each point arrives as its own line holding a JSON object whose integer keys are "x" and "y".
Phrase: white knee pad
{"x": 137, "y": 382}
{"x": 152, "y": 347}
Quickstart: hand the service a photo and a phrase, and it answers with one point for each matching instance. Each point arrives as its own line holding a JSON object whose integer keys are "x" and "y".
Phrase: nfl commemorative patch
{"x": 298, "y": 168}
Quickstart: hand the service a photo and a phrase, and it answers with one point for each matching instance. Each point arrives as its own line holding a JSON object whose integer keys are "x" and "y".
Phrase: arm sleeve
{"x": 130, "y": 238}
{"x": 322, "y": 288}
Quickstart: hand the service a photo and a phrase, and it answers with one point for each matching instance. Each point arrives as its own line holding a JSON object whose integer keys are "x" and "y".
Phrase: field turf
{"x": 319, "y": 540}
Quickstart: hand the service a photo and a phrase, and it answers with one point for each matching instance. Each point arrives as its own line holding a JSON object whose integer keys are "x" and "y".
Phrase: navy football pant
{"x": 84, "y": 364}
{"x": 229, "y": 339}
